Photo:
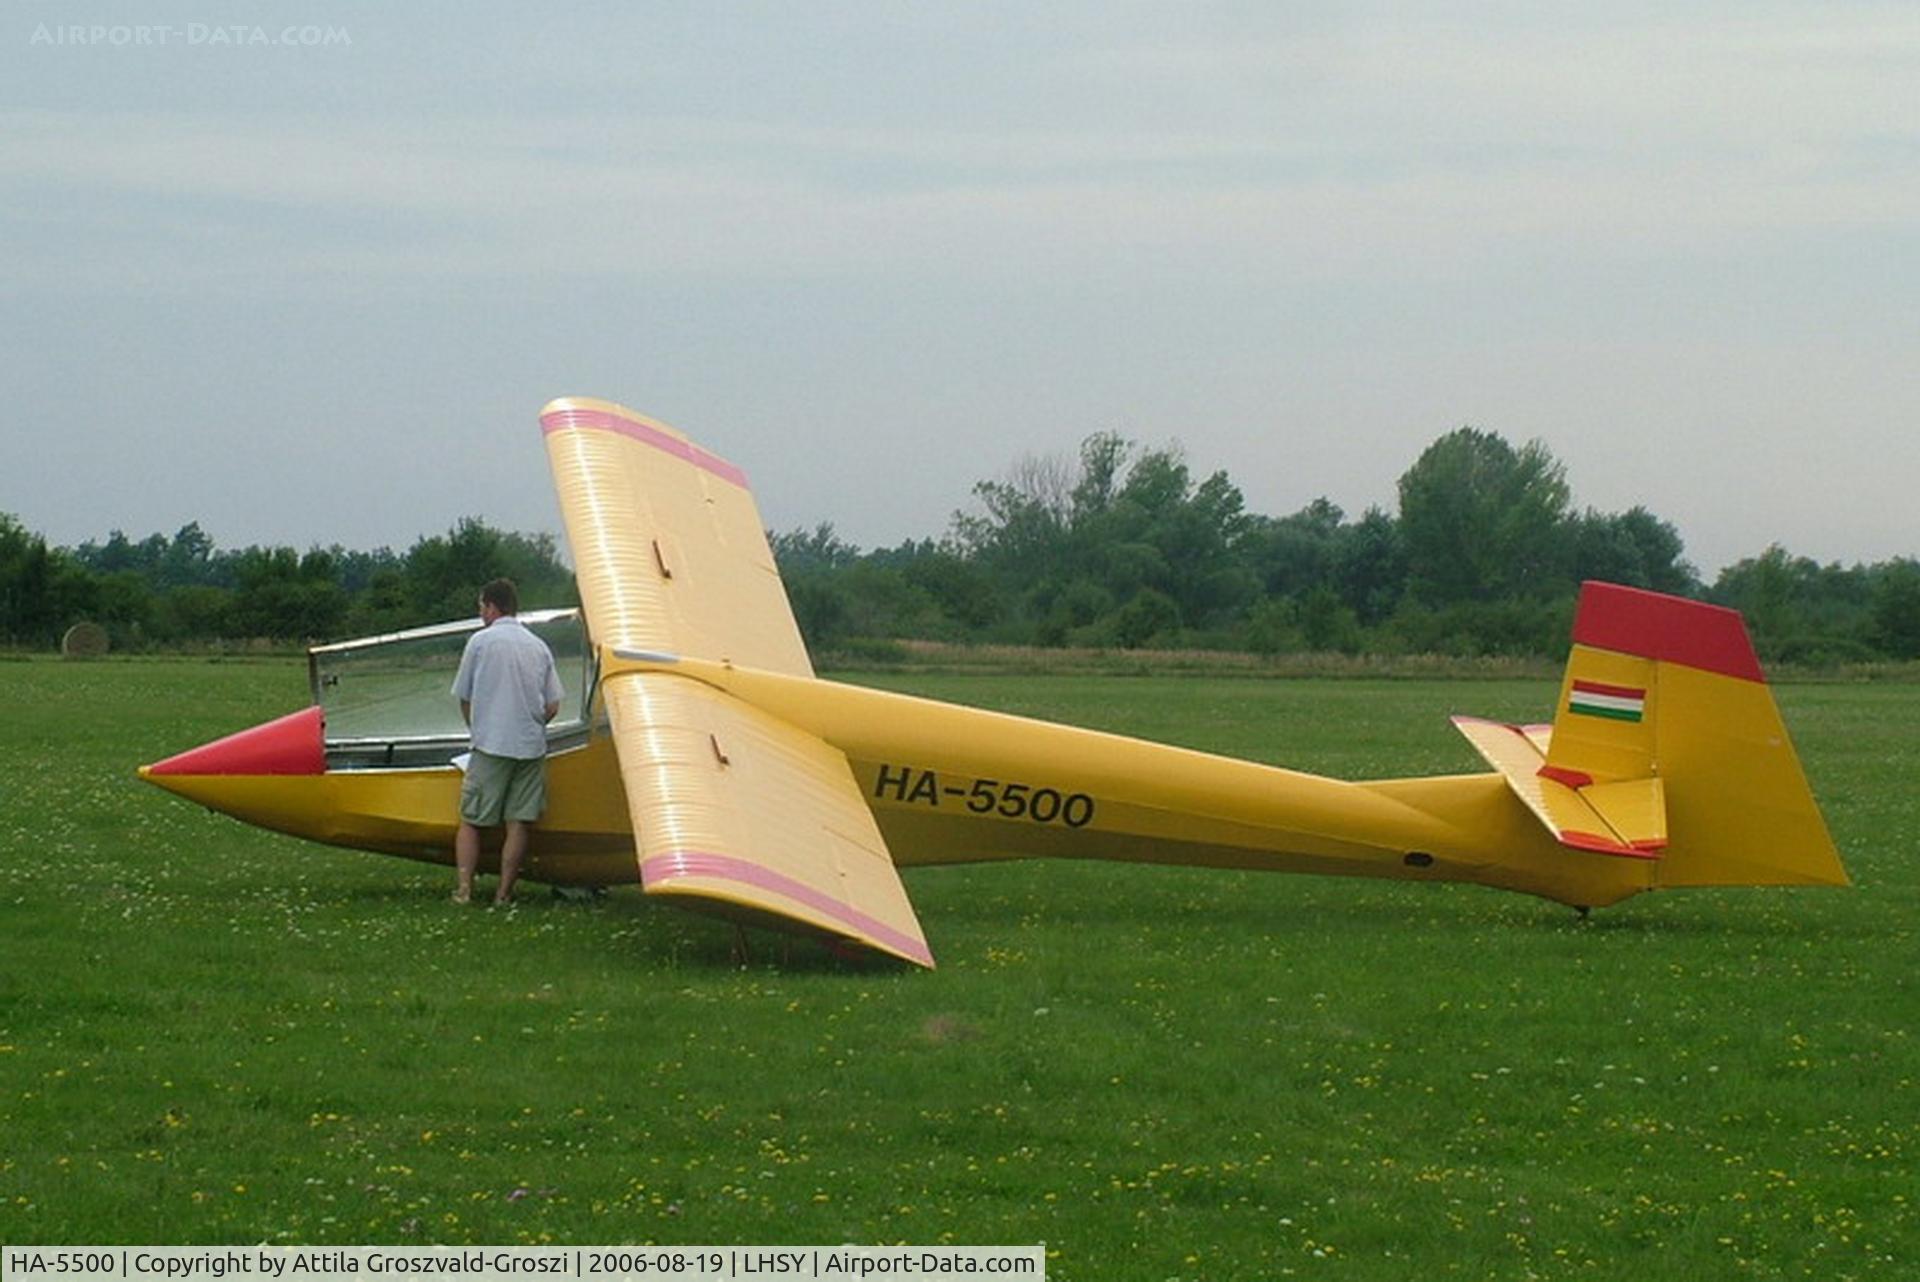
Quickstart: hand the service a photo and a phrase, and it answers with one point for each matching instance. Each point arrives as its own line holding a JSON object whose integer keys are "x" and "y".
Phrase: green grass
{"x": 212, "y": 1034}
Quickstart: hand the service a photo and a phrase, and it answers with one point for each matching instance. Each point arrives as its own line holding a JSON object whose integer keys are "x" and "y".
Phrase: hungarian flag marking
{"x": 1616, "y": 703}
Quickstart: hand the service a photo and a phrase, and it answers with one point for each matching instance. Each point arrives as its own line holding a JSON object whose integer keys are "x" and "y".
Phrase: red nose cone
{"x": 291, "y": 745}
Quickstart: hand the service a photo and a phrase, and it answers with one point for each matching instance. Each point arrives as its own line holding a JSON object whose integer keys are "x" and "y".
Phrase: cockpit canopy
{"x": 387, "y": 699}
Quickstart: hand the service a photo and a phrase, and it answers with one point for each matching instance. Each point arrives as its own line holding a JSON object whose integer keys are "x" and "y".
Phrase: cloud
{"x": 312, "y": 201}
{"x": 1403, "y": 146}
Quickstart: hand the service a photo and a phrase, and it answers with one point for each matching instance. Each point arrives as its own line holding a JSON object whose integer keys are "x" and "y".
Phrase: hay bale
{"x": 84, "y": 640}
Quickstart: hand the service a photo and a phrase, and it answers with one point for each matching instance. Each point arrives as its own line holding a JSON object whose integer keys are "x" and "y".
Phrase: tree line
{"x": 1121, "y": 546}
{"x": 165, "y": 591}
{"x": 1116, "y": 546}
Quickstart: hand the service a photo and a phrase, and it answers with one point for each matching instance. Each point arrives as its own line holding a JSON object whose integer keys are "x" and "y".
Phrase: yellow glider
{"x": 706, "y": 761}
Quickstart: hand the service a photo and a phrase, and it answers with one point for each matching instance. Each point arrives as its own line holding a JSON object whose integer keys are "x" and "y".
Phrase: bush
{"x": 1146, "y": 616}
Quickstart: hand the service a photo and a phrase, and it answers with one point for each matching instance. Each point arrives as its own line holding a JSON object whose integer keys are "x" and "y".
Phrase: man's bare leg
{"x": 466, "y": 857}
{"x": 512, "y": 851}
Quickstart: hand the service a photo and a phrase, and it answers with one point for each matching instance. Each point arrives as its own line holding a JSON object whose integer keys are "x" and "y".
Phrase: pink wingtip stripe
{"x": 601, "y": 421}
{"x": 675, "y": 864}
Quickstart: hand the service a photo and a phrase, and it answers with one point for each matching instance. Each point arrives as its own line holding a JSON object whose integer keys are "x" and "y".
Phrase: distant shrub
{"x": 871, "y": 650}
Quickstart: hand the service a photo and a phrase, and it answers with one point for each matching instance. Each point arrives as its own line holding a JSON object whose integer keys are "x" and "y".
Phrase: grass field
{"x": 212, "y": 1034}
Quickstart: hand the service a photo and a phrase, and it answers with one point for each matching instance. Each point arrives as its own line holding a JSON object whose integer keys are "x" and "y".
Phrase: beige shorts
{"x": 502, "y": 789}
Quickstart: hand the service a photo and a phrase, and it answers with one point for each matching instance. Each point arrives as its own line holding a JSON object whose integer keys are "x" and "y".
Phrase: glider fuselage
{"x": 950, "y": 784}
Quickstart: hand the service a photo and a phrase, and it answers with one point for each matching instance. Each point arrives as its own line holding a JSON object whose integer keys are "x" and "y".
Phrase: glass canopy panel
{"x": 397, "y": 688}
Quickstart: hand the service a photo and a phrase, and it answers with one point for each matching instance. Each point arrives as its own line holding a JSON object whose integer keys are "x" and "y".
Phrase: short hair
{"x": 502, "y": 596}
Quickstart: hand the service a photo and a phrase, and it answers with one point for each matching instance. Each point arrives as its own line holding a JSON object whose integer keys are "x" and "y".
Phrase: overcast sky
{"x": 316, "y": 289}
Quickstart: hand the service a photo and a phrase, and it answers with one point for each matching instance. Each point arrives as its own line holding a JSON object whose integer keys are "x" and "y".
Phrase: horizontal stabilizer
{"x": 1626, "y": 817}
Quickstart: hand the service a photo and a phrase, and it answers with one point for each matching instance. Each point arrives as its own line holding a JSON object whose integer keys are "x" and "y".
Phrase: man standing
{"x": 508, "y": 690}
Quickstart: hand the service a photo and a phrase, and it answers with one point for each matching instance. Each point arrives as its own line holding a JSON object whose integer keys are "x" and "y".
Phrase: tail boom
{"x": 952, "y": 784}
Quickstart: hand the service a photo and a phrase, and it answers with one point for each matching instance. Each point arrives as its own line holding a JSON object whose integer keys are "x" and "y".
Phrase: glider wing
{"x": 733, "y": 809}
{"x": 742, "y": 813}
{"x": 667, "y": 543}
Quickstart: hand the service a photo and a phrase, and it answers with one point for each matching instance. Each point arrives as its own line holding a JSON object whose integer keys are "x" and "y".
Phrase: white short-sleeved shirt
{"x": 508, "y": 675}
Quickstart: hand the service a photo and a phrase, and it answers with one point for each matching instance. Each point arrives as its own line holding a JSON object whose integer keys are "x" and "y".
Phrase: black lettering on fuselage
{"x": 896, "y": 782}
